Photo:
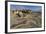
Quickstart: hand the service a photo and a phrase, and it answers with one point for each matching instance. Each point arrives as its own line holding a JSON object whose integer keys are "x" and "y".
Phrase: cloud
{"x": 21, "y": 7}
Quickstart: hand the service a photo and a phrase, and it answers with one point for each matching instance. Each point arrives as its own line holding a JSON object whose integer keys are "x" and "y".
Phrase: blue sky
{"x": 21, "y": 7}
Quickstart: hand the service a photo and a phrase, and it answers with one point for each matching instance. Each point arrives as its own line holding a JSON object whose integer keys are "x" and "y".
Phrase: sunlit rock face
{"x": 21, "y": 13}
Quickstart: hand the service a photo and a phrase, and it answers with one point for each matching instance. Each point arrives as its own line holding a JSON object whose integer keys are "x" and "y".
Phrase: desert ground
{"x": 31, "y": 20}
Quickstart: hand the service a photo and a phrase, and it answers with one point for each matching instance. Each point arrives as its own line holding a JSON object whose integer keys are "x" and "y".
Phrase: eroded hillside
{"x": 25, "y": 19}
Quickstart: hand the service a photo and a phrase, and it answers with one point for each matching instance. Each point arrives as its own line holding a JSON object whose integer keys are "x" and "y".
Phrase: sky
{"x": 21, "y": 7}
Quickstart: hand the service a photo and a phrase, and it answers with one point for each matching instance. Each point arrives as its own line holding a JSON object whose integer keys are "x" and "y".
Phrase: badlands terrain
{"x": 25, "y": 19}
